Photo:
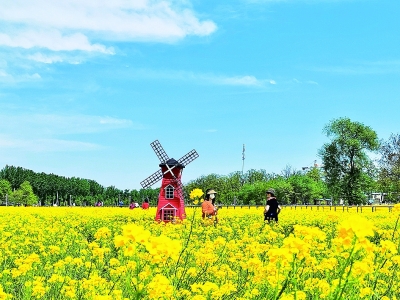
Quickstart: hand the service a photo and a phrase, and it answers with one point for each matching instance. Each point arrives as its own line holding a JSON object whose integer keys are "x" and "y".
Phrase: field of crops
{"x": 117, "y": 253}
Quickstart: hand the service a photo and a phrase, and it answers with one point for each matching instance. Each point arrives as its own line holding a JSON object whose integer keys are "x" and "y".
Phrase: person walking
{"x": 272, "y": 208}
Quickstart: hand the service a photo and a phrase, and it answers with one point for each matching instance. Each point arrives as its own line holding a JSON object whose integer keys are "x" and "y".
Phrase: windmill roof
{"x": 168, "y": 205}
{"x": 172, "y": 163}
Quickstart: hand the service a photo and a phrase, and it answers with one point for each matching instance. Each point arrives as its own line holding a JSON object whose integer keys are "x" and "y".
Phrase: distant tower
{"x": 171, "y": 202}
{"x": 243, "y": 157}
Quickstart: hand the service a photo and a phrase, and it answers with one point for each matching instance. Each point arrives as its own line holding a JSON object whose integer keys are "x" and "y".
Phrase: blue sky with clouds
{"x": 86, "y": 86}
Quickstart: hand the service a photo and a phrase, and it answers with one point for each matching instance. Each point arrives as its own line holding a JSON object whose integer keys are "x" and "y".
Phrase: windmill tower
{"x": 171, "y": 202}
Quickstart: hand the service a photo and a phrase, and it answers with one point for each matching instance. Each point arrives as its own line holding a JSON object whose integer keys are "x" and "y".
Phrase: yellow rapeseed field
{"x": 117, "y": 253}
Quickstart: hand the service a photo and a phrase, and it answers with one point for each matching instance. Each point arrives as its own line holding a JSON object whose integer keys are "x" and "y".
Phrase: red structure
{"x": 171, "y": 202}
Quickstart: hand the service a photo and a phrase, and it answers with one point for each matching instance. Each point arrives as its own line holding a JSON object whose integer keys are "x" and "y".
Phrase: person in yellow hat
{"x": 207, "y": 207}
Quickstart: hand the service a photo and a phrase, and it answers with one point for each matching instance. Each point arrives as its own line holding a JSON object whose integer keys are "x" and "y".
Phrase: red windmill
{"x": 171, "y": 202}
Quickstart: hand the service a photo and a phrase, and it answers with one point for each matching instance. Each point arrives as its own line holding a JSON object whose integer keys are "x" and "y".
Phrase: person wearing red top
{"x": 146, "y": 204}
{"x": 207, "y": 207}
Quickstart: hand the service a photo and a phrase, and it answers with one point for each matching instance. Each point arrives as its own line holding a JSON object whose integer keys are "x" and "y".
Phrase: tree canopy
{"x": 346, "y": 163}
{"x": 389, "y": 167}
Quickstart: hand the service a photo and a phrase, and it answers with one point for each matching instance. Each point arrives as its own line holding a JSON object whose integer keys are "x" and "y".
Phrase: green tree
{"x": 389, "y": 167}
{"x": 284, "y": 190}
{"x": 346, "y": 163}
{"x": 5, "y": 189}
{"x": 253, "y": 193}
{"x": 24, "y": 195}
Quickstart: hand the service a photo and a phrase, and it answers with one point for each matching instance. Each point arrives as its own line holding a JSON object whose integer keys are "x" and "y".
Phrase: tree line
{"x": 51, "y": 189}
{"x": 348, "y": 174}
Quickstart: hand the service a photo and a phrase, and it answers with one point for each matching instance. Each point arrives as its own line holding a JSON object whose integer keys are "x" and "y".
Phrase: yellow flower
{"x": 196, "y": 193}
{"x": 355, "y": 226}
{"x": 396, "y": 208}
{"x": 102, "y": 232}
{"x": 365, "y": 292}
{"x": 120, "y": 241}
{"x": 160, "y": 288}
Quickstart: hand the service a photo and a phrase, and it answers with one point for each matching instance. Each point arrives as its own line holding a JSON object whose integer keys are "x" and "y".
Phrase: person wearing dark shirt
{"x": 272, "y": 209}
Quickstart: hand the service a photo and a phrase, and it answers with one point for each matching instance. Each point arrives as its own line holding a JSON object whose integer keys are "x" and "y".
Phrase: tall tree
{"x": 345, "y": 159}
{"x": 5, "y": 189}
{"x": 389, "y": 167}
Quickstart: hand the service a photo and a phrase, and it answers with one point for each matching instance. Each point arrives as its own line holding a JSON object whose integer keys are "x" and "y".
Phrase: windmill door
{"x": 168, "y": 212}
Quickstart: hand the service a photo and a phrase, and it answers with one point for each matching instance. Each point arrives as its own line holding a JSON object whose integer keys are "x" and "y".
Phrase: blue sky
{"x": 86, "y": 86}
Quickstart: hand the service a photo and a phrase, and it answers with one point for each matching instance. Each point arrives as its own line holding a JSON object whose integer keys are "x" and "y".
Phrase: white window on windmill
{"x": 169, "y": 192}
{"x": 168, "y": 212}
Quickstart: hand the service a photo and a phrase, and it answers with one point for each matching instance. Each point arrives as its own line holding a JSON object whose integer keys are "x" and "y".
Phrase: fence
{"x": 358, "y": 208}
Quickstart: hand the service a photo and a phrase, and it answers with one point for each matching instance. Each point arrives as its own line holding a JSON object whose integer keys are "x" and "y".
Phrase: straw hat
{"x": 211, "y": 192}
{"x": 271, "y": 191}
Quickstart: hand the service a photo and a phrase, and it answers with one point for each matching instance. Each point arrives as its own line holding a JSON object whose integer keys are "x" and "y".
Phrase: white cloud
{"x": 67, "y": 25}
{"x": 51, "y": 124}
{"x": 245, "y": 80}
{"x": 312, "y": 82}
{"x": 51, "y": 58}
{"x": 47, "y": 132}
{"x": 34, "y": 76}
{"x": 46, "y": 145}
{"x": 295, "y": 80}
{"x": 6, "y": 77}
{"x": 12, "y": 79}
{"x": 4, "y": 73}
{"x": 52, "y": 40}
{"x": 47, "y": 59}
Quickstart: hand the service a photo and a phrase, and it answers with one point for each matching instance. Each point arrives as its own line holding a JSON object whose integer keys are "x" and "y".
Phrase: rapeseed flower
{"x": 196, "y": 193}
{"x": 114, "y": 254}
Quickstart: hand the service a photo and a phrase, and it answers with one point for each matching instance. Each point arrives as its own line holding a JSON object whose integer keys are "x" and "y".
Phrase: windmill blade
{"x": 152, "y": 179}
{"x": 159, "y": 150}
{"x": 179, "y": 183}
{"x": 188, "y": 158}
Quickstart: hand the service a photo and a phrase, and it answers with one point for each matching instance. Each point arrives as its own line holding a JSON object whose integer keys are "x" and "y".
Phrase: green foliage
{"x": 5, "y": 189}
{"x": 389, "y": 172}
{"x": 253, "y": 193}
{"x": 284, "y": 190}
{"x": 348, "y": 173}
{"x": 53, "y": 189}
{"x": 227, "y": 187}
{"x": 345, "y": 160}
{"x": 24, "y": 195}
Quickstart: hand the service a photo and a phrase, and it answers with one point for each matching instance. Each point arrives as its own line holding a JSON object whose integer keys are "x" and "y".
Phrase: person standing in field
{"x": 132, "y": 205}
{"x": 207, "y": 207}
{"x": 272, "y": 209}
{"x": 145, "y": 204}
